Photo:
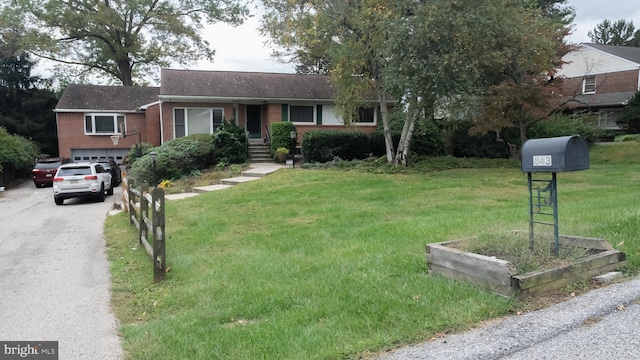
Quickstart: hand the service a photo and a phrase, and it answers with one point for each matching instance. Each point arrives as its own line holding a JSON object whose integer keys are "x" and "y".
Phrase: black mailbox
{"x": 558, "y": 154}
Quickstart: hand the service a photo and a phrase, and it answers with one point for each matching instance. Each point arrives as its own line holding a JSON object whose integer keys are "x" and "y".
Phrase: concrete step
{"x": 259, "y": 153}
{"x": 238, "y": 180}
{"x": 262, "y": 171}
{"x": 262, "y": 159}
{"x": 203, "y": 189}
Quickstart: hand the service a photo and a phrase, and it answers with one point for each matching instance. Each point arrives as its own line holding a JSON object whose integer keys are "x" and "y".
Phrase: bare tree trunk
{"x": 388, "y": 140}
{"x": 126, "y": 74}
{"x": 402, "y": 156}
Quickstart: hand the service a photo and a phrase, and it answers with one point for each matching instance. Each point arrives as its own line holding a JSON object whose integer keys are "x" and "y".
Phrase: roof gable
{"x": 626, "y": 52}
{"x": 106, "y": 98}
{"x": 593, "y": 59}
{"x": 245, "y": 85}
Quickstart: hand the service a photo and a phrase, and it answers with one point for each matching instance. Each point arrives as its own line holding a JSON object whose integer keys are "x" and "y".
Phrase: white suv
{"x": 81, "y": 180}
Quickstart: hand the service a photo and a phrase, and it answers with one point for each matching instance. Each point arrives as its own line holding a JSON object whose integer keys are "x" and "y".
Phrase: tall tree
{"x": 620, "y": 32}
{"x": 421, "y": 53}
{"x": 26, "y": 105}
{"x": 120, "y": 39}
{"x": 525, "y": 91}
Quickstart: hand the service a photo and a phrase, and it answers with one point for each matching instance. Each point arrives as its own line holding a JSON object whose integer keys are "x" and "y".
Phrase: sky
{"x": 242, "y": 48}
{"x": 590, "y": 13}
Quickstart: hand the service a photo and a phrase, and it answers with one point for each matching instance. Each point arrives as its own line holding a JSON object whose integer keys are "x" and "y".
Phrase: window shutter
{"x": 285, "y": 112}
{"x": 378, "y": 115}
{"x": 319, "y": 114}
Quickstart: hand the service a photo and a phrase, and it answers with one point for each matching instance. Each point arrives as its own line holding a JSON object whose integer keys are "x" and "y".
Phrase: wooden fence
{"x": 139, "y": 204}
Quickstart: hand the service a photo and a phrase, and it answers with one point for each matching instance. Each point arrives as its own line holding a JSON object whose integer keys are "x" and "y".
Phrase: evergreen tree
{"x": 26, "y": 105}
{"x": 630, "y": 116}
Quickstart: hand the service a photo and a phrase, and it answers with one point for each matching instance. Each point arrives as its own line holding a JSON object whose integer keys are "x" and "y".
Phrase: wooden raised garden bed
{"x": 501, "y": 277}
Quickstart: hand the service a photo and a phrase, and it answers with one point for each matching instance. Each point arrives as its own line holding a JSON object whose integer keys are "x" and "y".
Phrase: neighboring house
{"x": 195, "y": 102}
{"x": 602, "y": 79}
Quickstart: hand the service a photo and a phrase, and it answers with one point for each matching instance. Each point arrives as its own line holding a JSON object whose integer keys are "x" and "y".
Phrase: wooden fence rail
{"x": 140, "y": 204}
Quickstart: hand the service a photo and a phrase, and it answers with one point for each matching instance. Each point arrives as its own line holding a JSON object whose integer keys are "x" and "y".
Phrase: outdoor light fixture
{"x": 124, "y": 134}
{"x": 293, "y": 135}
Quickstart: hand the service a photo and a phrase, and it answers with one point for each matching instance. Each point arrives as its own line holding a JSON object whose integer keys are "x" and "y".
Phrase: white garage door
{"x": 80, "y": 155}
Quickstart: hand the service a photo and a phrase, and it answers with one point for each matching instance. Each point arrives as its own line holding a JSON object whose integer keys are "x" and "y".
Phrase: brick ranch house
{"x": 601, "y": 79}
{"x": 194, "y": 102}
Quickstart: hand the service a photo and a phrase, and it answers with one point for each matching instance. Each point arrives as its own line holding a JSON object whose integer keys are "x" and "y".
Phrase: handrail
{"x": 266, "y": 127}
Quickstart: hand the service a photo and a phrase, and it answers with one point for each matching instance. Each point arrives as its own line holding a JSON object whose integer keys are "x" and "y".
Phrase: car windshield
{"x": 47, "y": 165}
{"x": 76, "y": 170}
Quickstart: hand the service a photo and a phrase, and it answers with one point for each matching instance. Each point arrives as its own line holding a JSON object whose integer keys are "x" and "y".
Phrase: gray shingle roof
{"x": 245, "y": 85}
{"x": 603, "y": 100}
{"x": 108, "y": 98}
{"x": 625, "y": 52}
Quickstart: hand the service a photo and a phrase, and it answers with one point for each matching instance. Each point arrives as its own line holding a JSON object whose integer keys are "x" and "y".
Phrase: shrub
{"x": 131, "y": 158}
{"x": 16, "y": 151}
{"x": 195, "y": 151}
{"x": 326, "y": 145}
{"x": 585, "y": 125}
{"x": 281, "y": 136}
{"x": 427, "y": 140}
{"x": 167, "y": 166}
{"x": 377, "y": 146}
{"x": 629, "y": 137}
{"x": 630, "y": 116}
{"x": 230, "y": 143}
{"x": 480, "y": 146}
{"x": 176, "y": 158}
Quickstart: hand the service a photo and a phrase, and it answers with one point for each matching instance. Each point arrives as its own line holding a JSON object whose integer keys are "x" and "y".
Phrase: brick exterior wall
{"x": 71, "y": 126}
{"x": 71, "y": 133}
{"x": 622, "y": 81}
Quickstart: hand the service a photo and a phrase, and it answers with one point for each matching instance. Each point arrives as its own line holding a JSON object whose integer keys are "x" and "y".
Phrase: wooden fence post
{"x": 146, "y": 225}
{"x": 159, "y": 268}
{"x": 144, "y": 213}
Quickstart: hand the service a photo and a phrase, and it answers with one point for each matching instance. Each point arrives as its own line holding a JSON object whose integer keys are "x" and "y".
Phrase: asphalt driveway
{"x": 54, "y": 275}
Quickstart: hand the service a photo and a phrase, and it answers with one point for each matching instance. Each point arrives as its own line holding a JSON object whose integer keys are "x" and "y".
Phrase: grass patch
{"x": 330, "y": 263}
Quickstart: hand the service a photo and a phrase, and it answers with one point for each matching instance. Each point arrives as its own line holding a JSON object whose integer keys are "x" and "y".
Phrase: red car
{"x": 45, "y": 170}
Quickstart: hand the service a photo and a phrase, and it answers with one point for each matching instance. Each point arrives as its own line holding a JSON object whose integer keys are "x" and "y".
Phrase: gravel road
{"x": 54, "y": 275}
{"x": 601, "y": 324}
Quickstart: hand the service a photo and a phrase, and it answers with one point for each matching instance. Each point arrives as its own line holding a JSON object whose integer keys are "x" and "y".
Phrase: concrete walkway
{"x": 256, "y": 172}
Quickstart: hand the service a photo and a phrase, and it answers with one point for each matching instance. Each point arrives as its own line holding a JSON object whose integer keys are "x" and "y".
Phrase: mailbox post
{"x": 550, "y": 155}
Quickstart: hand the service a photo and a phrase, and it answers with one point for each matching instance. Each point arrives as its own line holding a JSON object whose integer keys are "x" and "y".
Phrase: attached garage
{"x": 81, "y": 155}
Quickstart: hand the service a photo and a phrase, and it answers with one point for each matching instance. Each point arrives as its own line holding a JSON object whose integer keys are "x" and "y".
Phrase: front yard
{"x": 330, "y": 264}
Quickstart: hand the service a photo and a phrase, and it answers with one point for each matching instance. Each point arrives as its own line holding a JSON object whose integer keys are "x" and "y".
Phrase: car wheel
{"x": 101, "y": 194}
{"x": 39, "y": 185}
{"x": 110, "y": 191}
{"x": 58, "y": 201}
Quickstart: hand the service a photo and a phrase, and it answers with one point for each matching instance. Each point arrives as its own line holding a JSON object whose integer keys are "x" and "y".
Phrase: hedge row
{"x": 326, "y": 145}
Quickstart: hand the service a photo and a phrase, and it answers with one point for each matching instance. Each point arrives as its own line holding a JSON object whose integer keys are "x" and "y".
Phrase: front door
{"x": 254, "y": 121}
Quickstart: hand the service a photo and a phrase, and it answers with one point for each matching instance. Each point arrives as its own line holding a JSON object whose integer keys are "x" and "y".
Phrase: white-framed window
{"x": 103, "y": 124}
{"x": 190, "y": 121}
{"x": 607, "y": 119}
{"x": 304, "y": 114}
{"x": 589, "y": 85}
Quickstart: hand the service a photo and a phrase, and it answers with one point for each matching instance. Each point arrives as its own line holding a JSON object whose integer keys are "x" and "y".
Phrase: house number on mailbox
{"x": 542, "y": 160}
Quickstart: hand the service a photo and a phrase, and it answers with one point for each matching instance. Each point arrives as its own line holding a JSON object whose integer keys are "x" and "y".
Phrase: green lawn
{"x": 330, "y": 264}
